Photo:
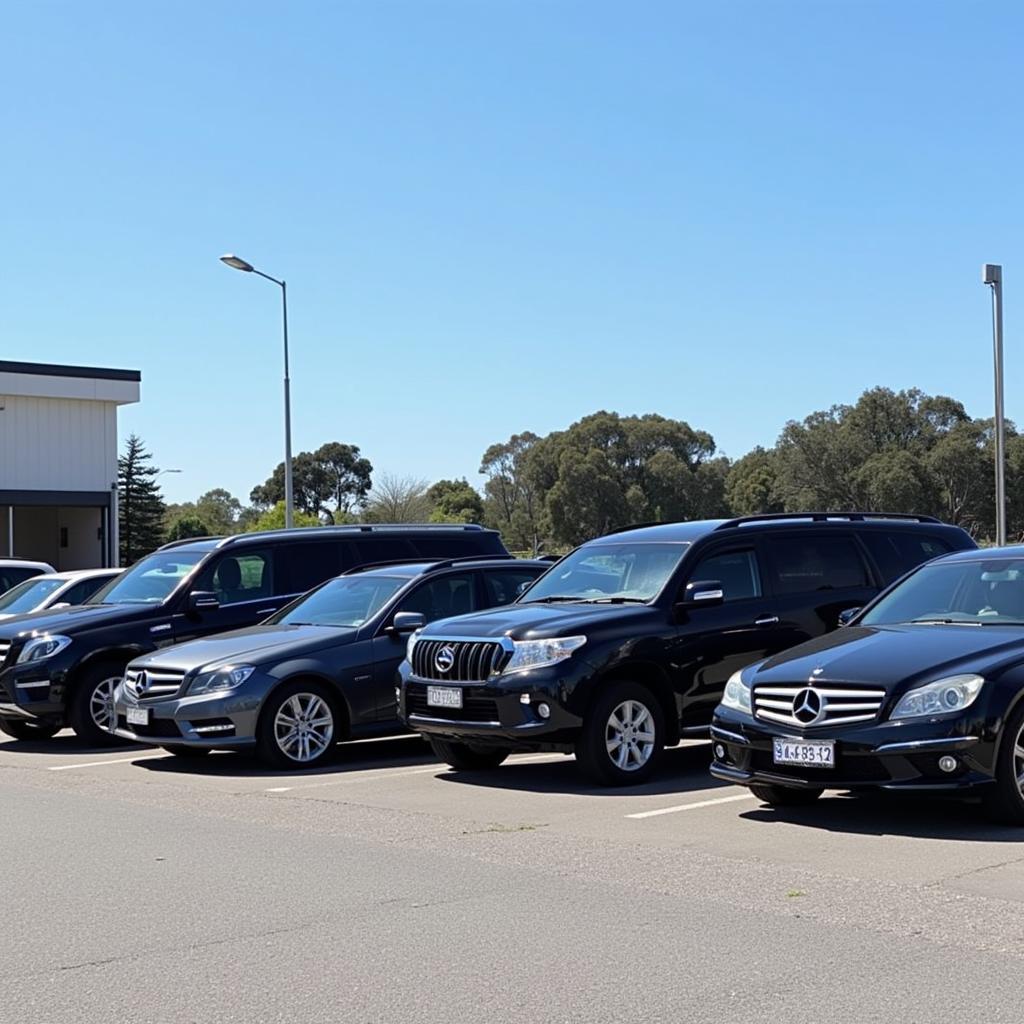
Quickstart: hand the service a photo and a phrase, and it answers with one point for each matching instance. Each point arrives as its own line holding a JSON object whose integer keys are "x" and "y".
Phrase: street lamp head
{"x": 991, "y": 273}
{"x": 237, "y": 262}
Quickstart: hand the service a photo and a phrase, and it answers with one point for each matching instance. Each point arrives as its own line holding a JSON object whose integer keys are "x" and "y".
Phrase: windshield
{"x": 982, "y": 593}
{"x": 348, "y": 601}
{"x": 151, "y": 580}
{"x": 608, "y": 573}
{"x": 27, "y": 596}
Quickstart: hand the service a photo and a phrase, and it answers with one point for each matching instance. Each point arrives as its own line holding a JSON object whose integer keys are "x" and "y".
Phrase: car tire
{"x": 623, "y": 735}
{"x": 181, "y": 750}
{"x": 299, "y": 726}
{"x": 91, "y": 701}
{"x": 23, "y": 729}
{"x": 1003, "y": 800}
{"x": 465, "y": 757}
{"x": 784, "y": 796}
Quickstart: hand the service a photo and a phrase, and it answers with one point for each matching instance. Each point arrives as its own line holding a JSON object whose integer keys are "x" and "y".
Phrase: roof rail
{"x": 433, "y": 563}
{"x": 189, "y": 540}
{"x": 824, "y": 517}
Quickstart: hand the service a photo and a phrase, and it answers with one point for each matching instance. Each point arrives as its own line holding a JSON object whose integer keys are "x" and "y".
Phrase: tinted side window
{"x": 245, "y": 576}
{"x": 81, "y": 592}
{"x": 443, "y": 597}
{"x": 502, "y": 587}
{"x": 807, "y": 564}
{"x": 384, "y": 549}
{"x": 737, "y": 571}
{"x": 300, "y": 567}
{"x": 897, "y": 553}
{"x": 10, "y": 576}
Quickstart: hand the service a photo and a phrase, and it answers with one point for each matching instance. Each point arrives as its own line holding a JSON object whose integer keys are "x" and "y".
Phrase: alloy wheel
{"x": 1018, "y": 759}
{"x": 101, "y": 703}
{"x": 303, "y": 727}
{"x": 629, "y": 735}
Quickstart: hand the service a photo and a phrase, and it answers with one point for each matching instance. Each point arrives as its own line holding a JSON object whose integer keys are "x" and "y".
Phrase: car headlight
{"x": 527, "y": 654}
{"x": 221, "y": 681}
{"x": 411, "y": 643}
{"x": 42, "y": 647}
{"x": 737, "y": 693}
{"x": 942, "y": 697}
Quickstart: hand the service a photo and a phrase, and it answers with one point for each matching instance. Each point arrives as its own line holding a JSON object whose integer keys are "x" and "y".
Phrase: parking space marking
{"x": 373, "y": 774}
{"x": 99, "y": 764}
{"x": 693, "y": 806}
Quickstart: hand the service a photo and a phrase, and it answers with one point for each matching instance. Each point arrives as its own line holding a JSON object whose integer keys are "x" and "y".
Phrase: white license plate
{"x": 444, "y": 697}
{"x": 137, "y": 716}
{"x": 814, "y": 753}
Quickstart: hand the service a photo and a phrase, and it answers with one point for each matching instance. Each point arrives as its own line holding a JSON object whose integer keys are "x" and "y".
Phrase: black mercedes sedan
{"x": 921, "y": 691}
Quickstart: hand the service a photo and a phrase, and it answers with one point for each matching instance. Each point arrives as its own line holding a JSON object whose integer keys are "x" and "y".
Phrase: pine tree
{"x": 140, "y": 505}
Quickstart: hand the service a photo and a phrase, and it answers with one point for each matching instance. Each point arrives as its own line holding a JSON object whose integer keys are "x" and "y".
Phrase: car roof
{"x": 27, "y": 563}
{"x": 981, "y": 554}
{"x": 81, "y": 574}
{"x": 410, "y": 570}
{"x": 689, "y": 532}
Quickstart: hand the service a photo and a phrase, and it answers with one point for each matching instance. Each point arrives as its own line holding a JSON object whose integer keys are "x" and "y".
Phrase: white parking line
{"x": 692, "y": 807}
{"x": 100, "y": 764}
{"x": 372, "y": 774}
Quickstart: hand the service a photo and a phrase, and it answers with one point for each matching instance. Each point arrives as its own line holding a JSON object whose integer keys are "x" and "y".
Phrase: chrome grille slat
{"x": 841, "y": 704}
{"x": 159, "y": 683}
{"x": 5, "y": 647}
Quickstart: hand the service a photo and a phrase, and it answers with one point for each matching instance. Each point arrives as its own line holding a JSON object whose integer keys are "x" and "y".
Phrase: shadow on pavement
{"x": 682, "y": 770}
{"x": 395, "y": 752}
{"x": 66, "y": 744}
{"x": 881, "y": 813}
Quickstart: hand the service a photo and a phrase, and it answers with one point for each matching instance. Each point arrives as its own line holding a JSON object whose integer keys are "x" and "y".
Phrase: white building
{"x": 58, "y": 461}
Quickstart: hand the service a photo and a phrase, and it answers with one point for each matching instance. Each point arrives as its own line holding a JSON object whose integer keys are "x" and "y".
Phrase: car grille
{"x": 813, "y": 707}
{"x": 474, "y": 709}
{"x": 472, "y": 661}
{"x": 5, "y": 647}
{"x": 147, "y": 684}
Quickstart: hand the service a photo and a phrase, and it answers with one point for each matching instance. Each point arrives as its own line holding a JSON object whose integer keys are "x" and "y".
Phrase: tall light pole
{"x": 237, "y": 263}
{"x": 992, "y": 275}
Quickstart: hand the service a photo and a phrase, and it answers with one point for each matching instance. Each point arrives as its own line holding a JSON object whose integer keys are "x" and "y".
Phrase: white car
{"x": 53, "y": 590}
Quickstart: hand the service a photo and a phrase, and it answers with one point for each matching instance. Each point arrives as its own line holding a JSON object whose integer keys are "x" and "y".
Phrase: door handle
{"x": 767, "y": 620}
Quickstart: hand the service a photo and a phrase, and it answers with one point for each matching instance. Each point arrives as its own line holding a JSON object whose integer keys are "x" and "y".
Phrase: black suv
{"x": 60, "y": 667}
{"x": 626, "y": 644}
{"x": 320, "y": 671}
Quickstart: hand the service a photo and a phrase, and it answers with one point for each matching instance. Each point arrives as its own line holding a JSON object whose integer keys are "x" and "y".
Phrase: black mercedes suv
{"x": 626, "y": 645}
{"x": 320, "y": 671}
{"x": 922, "y": 691}
{"x": 60, "y": 667}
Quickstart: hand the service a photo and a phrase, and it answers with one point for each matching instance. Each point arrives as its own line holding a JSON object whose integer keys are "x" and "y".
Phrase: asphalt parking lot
{"x": 143, "y": 888}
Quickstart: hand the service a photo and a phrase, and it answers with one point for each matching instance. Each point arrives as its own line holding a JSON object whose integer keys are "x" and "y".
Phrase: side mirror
{"x": 406, "y": 622}
{"x": 523, "y": 587}
{"x": 202, "y": 601}
{"x": 846, "y": 616}
{"x": 703, "y": 592}
{"x": 60, "y": 604}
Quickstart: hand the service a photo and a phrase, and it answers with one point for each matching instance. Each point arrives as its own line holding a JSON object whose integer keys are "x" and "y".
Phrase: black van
{"x": 60, "y": 667}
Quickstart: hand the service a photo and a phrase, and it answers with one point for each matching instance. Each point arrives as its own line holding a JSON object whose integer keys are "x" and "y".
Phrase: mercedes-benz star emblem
{"x": 141, "y": 684}
{"x": 444, "y": 659}
{"x": 808, "y": 707}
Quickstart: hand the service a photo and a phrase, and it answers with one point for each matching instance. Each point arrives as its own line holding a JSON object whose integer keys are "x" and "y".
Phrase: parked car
{"x": 54, "y": 590}
{"x": 14, "y": 570}
{"x": 922, "y": 691}
{"x": 320, "y": 671}
{"x": 60, "y": 667}
{"x": 626, "y": 645}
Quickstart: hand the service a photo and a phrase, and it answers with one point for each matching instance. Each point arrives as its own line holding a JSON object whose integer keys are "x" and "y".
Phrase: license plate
{"x": 814, "y": 753}
{"x": 444, "y": 697}
{"x": 137, "y": 716}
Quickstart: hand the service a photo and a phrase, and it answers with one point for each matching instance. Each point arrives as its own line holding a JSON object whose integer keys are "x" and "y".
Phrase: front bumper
{"x": 501, "y": 712}
{"x": 223, "y": 721}
{"x": 35, "y": 690}
{"x": 885, "y": 755}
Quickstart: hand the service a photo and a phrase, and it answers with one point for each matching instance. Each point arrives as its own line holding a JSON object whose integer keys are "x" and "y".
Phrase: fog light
{"x": 719, "y": 752}
{"x": 947, "y": 763}
{"x": 524, "y": 698}
{"x": 544, "y": 710}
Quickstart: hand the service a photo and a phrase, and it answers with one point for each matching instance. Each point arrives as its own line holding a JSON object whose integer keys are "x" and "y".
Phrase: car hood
{"x": 254, "y": 646}
{"x": 74, "y": 620}
{"x": 892, "y": 656}
{"x": 538, "y": 621}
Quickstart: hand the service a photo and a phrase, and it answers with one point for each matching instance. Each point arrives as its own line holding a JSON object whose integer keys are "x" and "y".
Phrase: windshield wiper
{"x": 942, "y": 622}
{"x": 553, "y": 598}
{"x": 616, "y": 600}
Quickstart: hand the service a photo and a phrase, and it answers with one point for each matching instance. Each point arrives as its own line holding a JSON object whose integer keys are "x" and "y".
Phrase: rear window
{"x": 897, "y": 553}
{"x": 812, "y": 563}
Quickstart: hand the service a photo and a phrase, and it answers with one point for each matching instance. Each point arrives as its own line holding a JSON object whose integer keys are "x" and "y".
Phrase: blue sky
{"x": 499, "y": 216}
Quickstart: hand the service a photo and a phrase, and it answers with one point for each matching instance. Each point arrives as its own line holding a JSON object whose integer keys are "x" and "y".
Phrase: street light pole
{"x": 237, "y": 263}
{"x": 992, "y": 275}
